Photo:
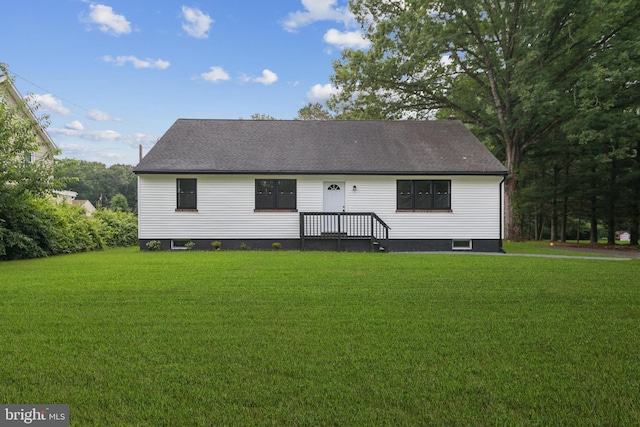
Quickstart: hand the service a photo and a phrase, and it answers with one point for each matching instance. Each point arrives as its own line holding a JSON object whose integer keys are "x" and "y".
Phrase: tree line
{"x": 114, "y": 186}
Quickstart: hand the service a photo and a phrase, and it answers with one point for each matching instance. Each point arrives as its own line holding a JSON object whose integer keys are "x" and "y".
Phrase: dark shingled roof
{"x": 320, "y": 147}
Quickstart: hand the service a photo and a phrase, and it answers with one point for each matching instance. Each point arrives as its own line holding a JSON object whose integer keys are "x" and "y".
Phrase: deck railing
{"x": 345, "y": 226}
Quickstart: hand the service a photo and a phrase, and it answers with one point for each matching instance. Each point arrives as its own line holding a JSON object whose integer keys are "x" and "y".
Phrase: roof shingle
{"x": 319, "y": 147}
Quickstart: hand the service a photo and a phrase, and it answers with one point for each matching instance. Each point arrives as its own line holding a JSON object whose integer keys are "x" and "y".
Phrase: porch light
{"x": 355, "y": 188}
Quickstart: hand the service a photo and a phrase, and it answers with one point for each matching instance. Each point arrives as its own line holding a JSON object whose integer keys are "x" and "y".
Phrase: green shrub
{"x": 216, "y": 245}
{"x": 190, "y": 245}
{"x": 34, "y": 227}
{"x": 72, "y": 231}
{"x": 153, "y": 245}
{"x": 24, "y": 226}
{"x": 16, "y": 245}
{"x": 117, "y": 228}
{"x": 276, "y": 245}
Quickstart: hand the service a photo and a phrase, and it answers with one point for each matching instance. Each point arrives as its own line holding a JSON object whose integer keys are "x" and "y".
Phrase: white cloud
{"x": 48, "y": 103}
{"x": 136, "y": 62}
{"x": 108, "y": 21}
{"x": 103, "y": 135}
{"x": 74, "y": 125}
{"x": 89, "y": 153}
{"x": 348, "y": 39}
{"x": 318, "y": 10}
{"x": 101, "y": 116}
{"x": 320, "y": 93}
{"x": 268, "y": 77}
{"x": 215, "y": 74}
{"x": 197, "y": 23}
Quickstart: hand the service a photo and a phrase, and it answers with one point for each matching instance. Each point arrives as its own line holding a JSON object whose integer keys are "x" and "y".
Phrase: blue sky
{"x": 114, "y": 74}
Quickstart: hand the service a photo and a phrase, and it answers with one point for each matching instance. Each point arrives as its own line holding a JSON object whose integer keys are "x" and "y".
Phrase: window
{"x": 461, "y": 245}
{"x": 278, "y": 194}
{"x": 423, "y": 195}
{"x": 180, "y": 244}
{"x": 187, "y": 195}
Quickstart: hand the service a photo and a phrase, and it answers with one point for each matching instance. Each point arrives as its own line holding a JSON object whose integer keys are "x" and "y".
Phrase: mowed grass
{"x": 288, "y": 338}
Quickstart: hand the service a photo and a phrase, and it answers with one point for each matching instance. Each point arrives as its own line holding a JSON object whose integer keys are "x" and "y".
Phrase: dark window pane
{"x": 287, "y": 194}
{"x": 404, "y": 196}
{"x": 186, "y": 201}
{"x": 442, "y": 197}
{"x": 187, "y": 194}
{"x": 186, "y": 185}
{"x": 265, "y": 194}
{"x": 422, "y": 191}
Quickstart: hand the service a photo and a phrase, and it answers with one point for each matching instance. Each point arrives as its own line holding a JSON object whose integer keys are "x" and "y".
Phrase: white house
{"x": 328, "y": 185}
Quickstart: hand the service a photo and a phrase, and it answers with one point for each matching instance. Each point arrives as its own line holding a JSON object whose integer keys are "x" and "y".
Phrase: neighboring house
{"x": 623, "y": 236}
{"x": 10, "y": 95}
{"x": 88, "y": 207}
{"x": 328, "y": 185}
{"x": 68, "y": 196}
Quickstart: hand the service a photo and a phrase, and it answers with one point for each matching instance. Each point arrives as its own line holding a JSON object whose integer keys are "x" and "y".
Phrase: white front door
{"x": 333, "y": 201}
{"x": 333, "y": 197}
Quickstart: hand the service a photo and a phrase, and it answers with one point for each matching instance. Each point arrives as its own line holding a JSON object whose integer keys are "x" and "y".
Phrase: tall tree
{"x": 507, "y": 68}
{"x": 261, "y": 116}
{"x": 314, "y": 111}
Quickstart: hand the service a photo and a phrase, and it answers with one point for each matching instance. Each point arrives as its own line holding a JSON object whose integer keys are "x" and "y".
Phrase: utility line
{"x": 47, "y": 91}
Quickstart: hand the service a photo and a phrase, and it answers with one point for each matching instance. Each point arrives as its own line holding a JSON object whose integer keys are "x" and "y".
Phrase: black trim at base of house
{"x": 356, "y": 245}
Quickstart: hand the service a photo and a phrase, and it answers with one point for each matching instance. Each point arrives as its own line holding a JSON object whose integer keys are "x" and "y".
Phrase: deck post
{"x": 302, "y": 231}
{"x": 339, "y": 232}
{"x": 371, "y": 233}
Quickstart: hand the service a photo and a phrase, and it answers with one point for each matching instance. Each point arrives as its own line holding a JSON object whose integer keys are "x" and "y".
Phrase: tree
{"x": 314, "y": 111}
{"x": 260, "y": 116}
{"x": 95, "y": 182}
{"x": 119, "y": 203}
{"x": 23, "y": 183}
{"x": 506, "y": 68}
{"x": 18, "y": 137}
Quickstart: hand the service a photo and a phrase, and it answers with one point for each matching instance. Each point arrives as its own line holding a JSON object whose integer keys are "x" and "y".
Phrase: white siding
{"x": 475, "y": 208}
{"x": 226, "y": 208}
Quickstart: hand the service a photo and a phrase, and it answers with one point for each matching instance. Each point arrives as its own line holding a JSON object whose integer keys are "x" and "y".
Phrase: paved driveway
{"x": 603, "y": 252}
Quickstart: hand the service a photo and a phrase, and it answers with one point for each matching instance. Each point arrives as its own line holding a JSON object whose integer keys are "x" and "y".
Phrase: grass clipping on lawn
{"x": 287, "y": 338}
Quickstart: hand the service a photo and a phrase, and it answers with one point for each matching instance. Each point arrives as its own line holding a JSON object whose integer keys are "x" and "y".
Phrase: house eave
{"x": 319, "y": 172}
{"x": 17, "y": 99}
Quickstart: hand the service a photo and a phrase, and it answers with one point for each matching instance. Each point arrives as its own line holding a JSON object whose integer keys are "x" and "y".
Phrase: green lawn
{"x": 288, "y": 338}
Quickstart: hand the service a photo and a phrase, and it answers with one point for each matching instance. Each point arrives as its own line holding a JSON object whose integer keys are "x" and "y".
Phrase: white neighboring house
{"x": 327, "y": 185}
{"x": 9, "y": 94}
